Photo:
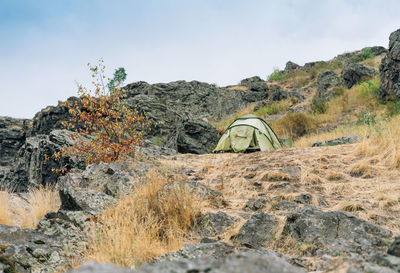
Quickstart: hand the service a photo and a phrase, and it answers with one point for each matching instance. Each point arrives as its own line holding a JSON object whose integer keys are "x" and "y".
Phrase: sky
{"x": 45, "y": 45}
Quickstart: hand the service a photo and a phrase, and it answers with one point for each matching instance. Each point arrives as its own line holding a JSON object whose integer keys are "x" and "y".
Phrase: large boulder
{"x": 291, "y": 67}
{"x": 255, "y": 84}
{"x": 114, "y": 178}
{"x": 26, "y": 250}
{"x": 12, "y": 137}
{"x": 258, "y": 231}
{"x": 335, "y": 231}
{"x": 354, "y": 73}
{"x": 233, "y": 263}
{"x": 34, "y": 164}
{"x": 326, "y": 81}
{"x": 83, "y": 199}
{"x": 50, "y": 118}
{"x": 390, "y": 70}
{"x": 213, "y": 224}
{"x": 173, "y": 129}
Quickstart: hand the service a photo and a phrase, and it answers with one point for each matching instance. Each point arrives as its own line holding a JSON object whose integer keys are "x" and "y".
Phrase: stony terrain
{"x": 326, "y": 208}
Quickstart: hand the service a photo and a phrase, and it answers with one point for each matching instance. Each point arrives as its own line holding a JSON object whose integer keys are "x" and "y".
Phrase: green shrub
{"x": 366, "y": 118}
{"x": 367, "y": 53}
{"x": 273, "y": 108}
{"x": 319, "y": 106}
{"x": 276, "y": 76}
{"x": 370, "y": 89}
{"x": 392, "y": 108}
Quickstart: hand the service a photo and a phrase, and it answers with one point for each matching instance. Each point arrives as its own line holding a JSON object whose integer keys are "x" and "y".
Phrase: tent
{"x": 248, "y": 133}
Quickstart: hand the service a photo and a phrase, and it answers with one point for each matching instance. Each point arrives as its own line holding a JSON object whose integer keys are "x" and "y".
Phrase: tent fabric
{"x": 246, "y": 133}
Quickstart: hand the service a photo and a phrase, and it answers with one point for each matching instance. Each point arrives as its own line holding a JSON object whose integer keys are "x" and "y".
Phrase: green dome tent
{"x": 248, "y": 133}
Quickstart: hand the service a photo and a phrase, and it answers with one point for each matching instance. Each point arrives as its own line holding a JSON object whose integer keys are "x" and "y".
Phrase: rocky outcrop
{"x": 213, "y": 224}
{"x": 326, "y": 81}
{"x": 50, "y": 118}
{"x": 360, "y": 55}
{"x": 390, "y": 70}
{"x": 179, "y": 110}
{"x": 26, "y": 250}
{"x": 83, "y": 199}
{"x": 255, "y": 84}
{"x": 335, "y": 232}
{"x": 34, "y": 162}
{"x": 257, "y": 231}
{"x": 114, "y": 178}
{"x": 291, "y": 67}
{"x": 354, "y": 73}
{"x": 12, "y": 137}
{"x": 233, "y": 263}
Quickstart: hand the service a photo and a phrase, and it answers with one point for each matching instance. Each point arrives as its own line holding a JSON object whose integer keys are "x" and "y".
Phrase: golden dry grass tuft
{"x": 383, "y": 142}
{"x": 41, "y": 200}
{"x": 26, "y": 212}
{"x": 4, "y": 208}
{"x": 274, "y": 176}
{"x": 152, "y": 220}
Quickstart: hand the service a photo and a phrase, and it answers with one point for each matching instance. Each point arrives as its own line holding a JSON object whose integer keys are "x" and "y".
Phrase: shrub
{"x": 392, "y": 108}
{"x": 367, "y": 53}
{"x": 276, "y": 76}
{"x": 294, "y": 125}
{"x": 370, "y": 89}
{"x": 274, "y": 108}
{"x": 366, "y": 118}
{"x": 319, "y": 106}
{"x": 111, "y": 128}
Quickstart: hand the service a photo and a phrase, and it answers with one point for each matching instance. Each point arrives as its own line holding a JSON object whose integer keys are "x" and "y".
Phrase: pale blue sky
{"x": 45, "y": 45}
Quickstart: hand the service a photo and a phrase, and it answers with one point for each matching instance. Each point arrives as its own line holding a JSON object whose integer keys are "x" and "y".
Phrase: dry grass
{"x": 154, "y": 219}
{"x": 383, "y": 142}
{"x": 347, "y": 130}
{"x": 4, "y": 208}
{"x": 41, "y": 200}
{"x": 238, "y": 87}
{"x": 26, "y": 212}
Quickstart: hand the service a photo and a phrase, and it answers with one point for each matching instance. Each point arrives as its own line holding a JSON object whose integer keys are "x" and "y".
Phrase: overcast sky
{"x": 45, "y": 45}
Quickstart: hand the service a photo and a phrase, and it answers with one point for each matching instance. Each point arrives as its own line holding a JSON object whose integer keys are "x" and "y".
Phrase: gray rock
{"x": 216, "y": 250}
{"x": 387, "y": 260}
{"x": 255, "y": 84}
{"x": 394, "y": 248}
{"x": 94, "y": 267}
{"x": 285, "y": 205}
{"x": 28, "y": 250}
{"x": 335, "y": 231}
{"x": 249, "y": 262}
{"x": 303, "y": 198}
{"x": 291, "y": 66}
{"x": 308, "y": 66}
{"x": 12, "y": 137}
{"x": 277, "y": 94}
{"x": 255, "y": 204}
{"x": 114, "y": 178}
{"x": 337, "y": 141}
{"x": 390, "y": 70}
{"x": 31, "y": 168}
{"x": 326, "y": 81}
{"x": 293, "y": 171}
{"x": 257, "y": 231}
{"x": 50, "y": 118}
{"x": 354, "y": 73}
{"x": 213, "y": 224}
{"x": 69, "y": 228}
{"x": 76, "y": 198}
